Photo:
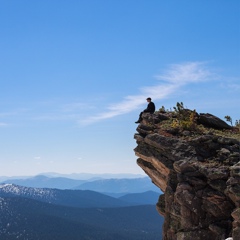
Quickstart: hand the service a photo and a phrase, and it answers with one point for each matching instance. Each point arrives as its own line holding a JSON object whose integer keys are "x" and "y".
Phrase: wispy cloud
{"x": 233, "y": 86}
{"x": 173, "y": 78}
{"x": 190, "y": 72}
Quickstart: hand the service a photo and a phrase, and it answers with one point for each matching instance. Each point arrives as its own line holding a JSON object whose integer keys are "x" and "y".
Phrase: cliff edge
{"x": 195, "y": 160}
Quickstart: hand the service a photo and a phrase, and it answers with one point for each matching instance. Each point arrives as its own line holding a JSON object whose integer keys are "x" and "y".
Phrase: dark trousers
{"x": 140, "y": 115}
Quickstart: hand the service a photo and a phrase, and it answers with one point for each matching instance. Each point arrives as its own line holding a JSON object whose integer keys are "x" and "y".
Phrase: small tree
{"x": 228, "y": 119}
{"x": 186, "y": 119}
{"x": 237, "y": 123}
{"x": 162, "y": 109}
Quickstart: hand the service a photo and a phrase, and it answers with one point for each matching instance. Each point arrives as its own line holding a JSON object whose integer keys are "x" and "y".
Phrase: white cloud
{"x": 184, "y": 73}
{"x": 176, "y": 76}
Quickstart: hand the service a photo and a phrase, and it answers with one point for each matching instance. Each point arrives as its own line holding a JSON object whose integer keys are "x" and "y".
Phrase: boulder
{"x": 209, "y": 120}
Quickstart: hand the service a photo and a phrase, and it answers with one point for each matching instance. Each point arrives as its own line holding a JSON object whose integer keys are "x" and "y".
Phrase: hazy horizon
{"x": 76, "y": 175}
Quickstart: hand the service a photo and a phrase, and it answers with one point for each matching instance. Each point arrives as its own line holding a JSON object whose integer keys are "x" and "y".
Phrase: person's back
{"x": 150, "y": 107}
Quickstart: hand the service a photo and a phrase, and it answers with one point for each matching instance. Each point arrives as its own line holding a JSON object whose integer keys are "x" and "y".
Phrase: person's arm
{"x": 150, "y": 107}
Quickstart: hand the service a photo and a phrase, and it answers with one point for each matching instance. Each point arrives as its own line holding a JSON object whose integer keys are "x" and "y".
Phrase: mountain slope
{"x": 148, "y": 197}
{"x": 23, "y": 218}
{"x": 73, "y": 198}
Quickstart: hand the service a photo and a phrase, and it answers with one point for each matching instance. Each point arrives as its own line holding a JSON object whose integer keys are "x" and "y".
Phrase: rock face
{"x": 199, "y": 173}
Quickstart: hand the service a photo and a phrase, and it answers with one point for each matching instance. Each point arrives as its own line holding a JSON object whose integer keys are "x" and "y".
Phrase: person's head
{"x": 149, "y": 99}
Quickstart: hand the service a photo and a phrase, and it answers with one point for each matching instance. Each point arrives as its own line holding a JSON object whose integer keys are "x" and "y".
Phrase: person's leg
{"x": 140, "y": 118}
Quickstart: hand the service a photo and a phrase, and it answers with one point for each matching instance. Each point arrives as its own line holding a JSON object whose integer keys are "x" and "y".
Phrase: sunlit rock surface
{"x": 198, "y": 169}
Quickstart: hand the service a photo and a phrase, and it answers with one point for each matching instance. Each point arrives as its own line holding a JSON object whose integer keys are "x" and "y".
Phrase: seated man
{"x": 150, "y": 108}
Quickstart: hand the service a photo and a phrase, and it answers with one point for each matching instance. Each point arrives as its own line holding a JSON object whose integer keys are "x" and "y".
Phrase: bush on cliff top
{"x": 182, "y": 119}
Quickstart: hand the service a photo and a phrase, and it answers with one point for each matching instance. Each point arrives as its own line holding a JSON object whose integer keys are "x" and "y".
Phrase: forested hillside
{"x": 22, "y": 218}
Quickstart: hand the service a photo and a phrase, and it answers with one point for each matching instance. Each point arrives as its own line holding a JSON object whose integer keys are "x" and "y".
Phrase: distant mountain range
{"x": 94, "y": 176}
{"x": 78, "y": 198}
{"x": 78, "y": 176}
{"x": 135, "y": 185}
{"x": 48, "y": 214}
{"x": 107, "y": 186}
{"x": 81, "y": 206}
{"x": 41, "y": 181}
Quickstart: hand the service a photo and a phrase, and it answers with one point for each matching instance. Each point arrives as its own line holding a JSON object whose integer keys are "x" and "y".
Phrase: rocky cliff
{"x": 195, "y": 160}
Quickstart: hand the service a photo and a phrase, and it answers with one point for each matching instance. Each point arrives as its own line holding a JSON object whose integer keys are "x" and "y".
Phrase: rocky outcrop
{"x": 210, "y": 120}
{"x": 198, "y": 171}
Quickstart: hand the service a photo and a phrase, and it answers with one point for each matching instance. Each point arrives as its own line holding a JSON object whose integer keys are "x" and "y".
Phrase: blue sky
{"x": 75, "y": 75}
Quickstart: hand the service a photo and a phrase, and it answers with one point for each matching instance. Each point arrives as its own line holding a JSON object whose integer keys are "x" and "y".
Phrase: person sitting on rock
{"x": 150, "y": 109}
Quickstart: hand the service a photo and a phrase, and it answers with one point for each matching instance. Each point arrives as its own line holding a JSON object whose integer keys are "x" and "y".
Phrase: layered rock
{"x": 199, "y": 174}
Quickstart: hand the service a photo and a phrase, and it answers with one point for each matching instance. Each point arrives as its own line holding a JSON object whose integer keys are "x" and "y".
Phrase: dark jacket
{"x": 150, "y": 108}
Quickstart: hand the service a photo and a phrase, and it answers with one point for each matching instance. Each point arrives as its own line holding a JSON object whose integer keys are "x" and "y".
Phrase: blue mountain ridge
{"x": 106, "y": 186}
{"x": 72, "y": 198}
